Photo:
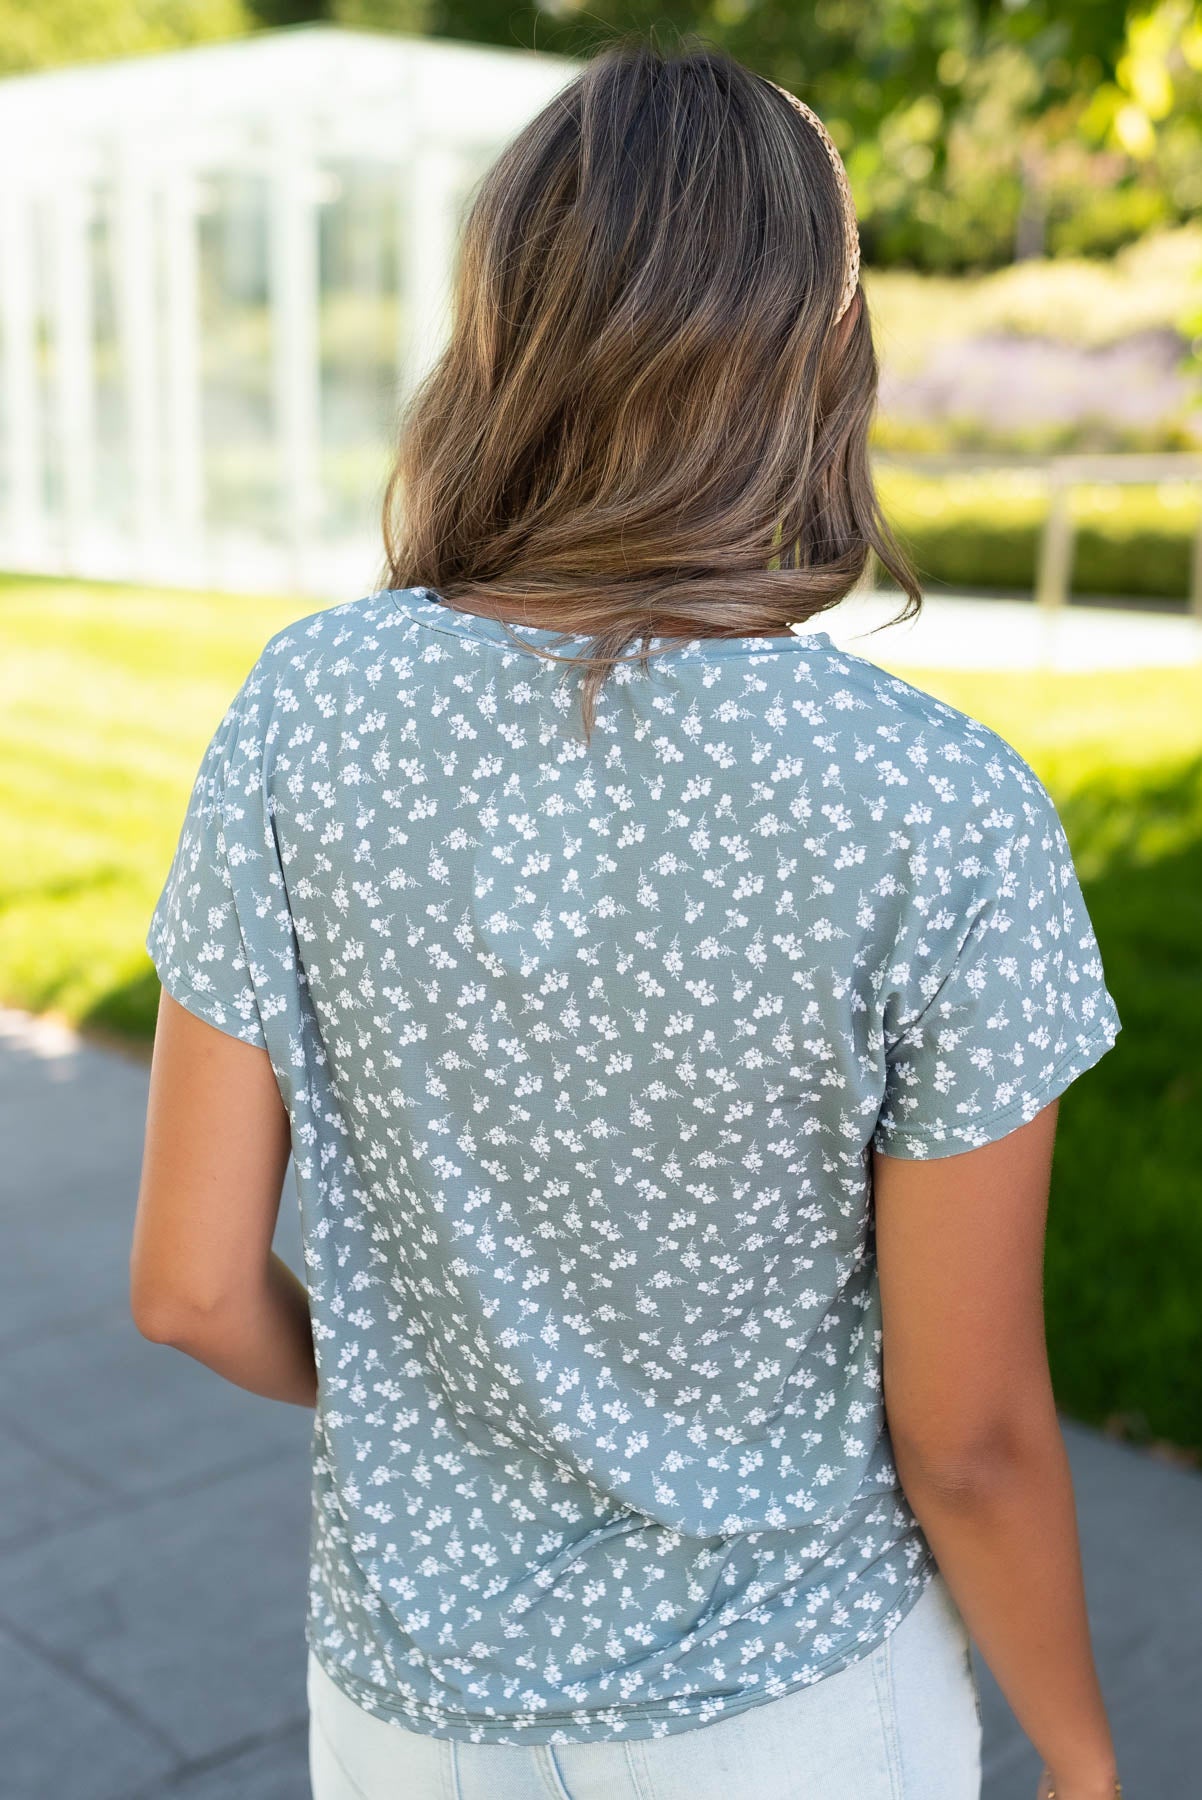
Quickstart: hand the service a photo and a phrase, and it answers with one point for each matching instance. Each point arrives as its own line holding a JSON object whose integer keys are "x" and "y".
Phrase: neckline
{"x": 427, "y": 606}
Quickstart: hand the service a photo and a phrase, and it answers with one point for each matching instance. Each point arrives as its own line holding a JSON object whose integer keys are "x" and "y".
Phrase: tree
{"x": 38, "y": 34}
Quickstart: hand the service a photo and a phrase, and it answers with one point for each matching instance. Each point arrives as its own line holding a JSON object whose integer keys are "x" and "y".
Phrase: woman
{"x": 671, "y": 1091}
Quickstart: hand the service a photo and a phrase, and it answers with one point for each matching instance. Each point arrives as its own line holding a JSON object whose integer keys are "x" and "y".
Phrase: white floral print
{"x": 585, "y": 1051}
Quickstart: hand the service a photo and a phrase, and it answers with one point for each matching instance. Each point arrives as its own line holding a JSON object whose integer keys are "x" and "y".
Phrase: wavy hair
{"x": 646, "y": 422}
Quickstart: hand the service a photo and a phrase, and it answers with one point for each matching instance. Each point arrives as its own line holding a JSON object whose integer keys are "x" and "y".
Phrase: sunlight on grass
{"x": 108, "y": 697}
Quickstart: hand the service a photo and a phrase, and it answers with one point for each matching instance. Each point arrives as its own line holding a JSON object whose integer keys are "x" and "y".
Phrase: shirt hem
{"x": 634, "y": 1722}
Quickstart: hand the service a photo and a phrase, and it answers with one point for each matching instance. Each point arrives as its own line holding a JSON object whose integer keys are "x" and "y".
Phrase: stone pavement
{"x": 953, "y": 631}
{"x": 153, "y": 1518}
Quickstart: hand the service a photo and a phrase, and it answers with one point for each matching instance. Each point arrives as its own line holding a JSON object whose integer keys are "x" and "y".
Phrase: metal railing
{"x": 1062, "y": 475}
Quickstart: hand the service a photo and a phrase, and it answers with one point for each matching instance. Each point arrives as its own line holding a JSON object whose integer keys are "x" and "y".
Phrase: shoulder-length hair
{"x": 646, "y": 421}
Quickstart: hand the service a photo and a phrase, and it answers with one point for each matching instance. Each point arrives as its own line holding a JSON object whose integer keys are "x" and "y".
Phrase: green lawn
{"x": 110, "y": 694}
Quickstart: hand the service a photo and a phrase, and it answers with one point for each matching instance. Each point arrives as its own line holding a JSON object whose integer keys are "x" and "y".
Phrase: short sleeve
{"x": 996, "y": 1007}
{"x": 195, "y": 938}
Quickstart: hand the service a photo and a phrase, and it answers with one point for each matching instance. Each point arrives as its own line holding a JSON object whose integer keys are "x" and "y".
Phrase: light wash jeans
{"x": 903, "y": 1723}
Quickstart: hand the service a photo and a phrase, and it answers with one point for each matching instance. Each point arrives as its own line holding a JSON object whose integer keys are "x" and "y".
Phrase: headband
{"x": 851, "y": 230}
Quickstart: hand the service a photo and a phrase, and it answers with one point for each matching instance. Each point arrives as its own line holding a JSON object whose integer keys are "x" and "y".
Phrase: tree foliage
{"x": 41, "y": 34}
{"x": 974, "y": 131}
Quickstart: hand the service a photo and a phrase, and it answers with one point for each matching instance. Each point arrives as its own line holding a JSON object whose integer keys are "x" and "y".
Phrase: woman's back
{"x": 608, "y": 1061}
{"x": 585, "y": 1049}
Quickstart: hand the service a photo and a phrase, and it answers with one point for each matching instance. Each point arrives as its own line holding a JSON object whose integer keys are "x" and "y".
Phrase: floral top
{"x": 586, "y": 1051}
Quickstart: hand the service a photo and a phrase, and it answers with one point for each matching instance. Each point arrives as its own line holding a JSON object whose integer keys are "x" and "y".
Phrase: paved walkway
{"x": 153, "y": 1519}
{"x": 958, "y": 633}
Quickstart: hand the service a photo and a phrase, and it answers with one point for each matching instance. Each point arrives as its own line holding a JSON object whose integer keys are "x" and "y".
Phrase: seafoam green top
{"x": 585, "y": 1052}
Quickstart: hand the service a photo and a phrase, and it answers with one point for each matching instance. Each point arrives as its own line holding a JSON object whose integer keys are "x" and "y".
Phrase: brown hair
{"x": 645, "y": 422}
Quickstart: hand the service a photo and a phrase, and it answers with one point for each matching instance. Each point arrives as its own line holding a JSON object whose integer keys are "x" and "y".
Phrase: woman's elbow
{"x": 164, "y": 1316}
{"x": 972, "y": 1468}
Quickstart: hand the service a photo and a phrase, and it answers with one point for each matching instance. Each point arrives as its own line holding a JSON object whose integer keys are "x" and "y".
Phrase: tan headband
{"x": 851, "y": 229}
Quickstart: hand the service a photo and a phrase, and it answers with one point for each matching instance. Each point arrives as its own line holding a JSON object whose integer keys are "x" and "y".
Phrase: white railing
{"x": 1062, "y": 475}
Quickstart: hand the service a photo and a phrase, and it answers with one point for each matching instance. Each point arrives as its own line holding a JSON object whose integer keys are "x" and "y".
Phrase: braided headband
{"x": 851, "y": 229}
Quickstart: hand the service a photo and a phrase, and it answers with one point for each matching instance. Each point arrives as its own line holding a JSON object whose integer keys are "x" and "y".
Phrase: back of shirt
{"x": 585, "y": 1050}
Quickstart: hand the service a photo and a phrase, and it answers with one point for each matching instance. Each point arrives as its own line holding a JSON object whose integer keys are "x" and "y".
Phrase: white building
{"x": 220, "y": 271}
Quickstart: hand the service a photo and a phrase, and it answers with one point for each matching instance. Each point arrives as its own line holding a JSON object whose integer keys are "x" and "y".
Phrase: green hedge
{"x": 1124, "y": 1244}
{"x": 984, "y": 531}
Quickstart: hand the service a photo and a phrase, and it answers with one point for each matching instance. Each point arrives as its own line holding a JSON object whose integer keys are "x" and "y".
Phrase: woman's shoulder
{"x": 280, "y": 681}
{"x": 338, "y": 626}
{"x": 955, "y": 755}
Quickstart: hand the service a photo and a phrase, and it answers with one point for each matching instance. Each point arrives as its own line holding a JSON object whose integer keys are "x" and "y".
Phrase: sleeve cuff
{"x": 236, "y": 1019}
{"x": 926, "y": 1143}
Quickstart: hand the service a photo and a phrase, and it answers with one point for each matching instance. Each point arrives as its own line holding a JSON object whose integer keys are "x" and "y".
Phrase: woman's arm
{"x": 976, "y": 1439}
{"x": 203, "y": 1276}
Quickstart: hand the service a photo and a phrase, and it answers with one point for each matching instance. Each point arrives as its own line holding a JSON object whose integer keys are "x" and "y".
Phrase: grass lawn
{"x": 110, "y": 694}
